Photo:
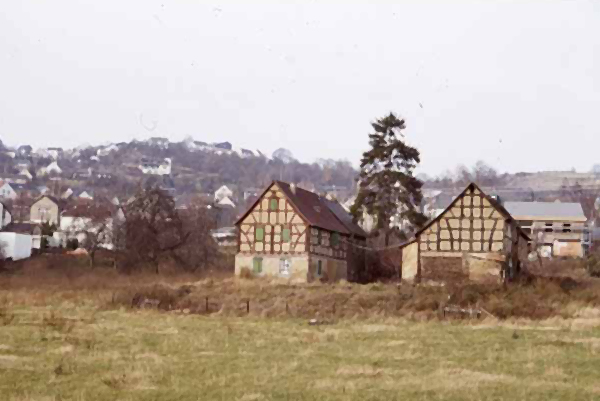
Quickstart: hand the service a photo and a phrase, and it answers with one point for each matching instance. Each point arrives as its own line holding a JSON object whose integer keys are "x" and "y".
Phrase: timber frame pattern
{"x": 275, "y": 226}
{"x": 472, "y": 223}
{"x": 273, "y": 214}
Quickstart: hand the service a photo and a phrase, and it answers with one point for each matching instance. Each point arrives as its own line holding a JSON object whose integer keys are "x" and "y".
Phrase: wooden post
{"x": 206, "y": 304}
{"x": 248, "y": 305}
{"x": 514, "y": 251}
{"x": 287, "y": 308}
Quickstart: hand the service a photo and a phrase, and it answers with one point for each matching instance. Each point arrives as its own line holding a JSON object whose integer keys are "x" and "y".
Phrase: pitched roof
{"x": 471, "y": 187}
{"x": 316, "y": 210}
{"x": 21, "y": 228}
{"x": 545, "y": 211}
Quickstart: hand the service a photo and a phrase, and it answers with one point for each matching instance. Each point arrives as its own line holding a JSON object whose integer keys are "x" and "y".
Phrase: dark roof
{"x": 60, "y": 202}
{"x": 472, "y": 186}
{"x": 89, "y": 209}
{"x": 316, "y": 210}
{"x": 345, "y": 217}
{"x": 20, "y": 228}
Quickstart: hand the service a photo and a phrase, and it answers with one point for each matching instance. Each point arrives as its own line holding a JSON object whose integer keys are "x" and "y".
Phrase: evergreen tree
{"x": 388, "y": 190}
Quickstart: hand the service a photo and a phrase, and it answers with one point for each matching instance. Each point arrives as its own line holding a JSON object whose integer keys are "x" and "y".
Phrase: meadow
{"x": 83, "y": 337}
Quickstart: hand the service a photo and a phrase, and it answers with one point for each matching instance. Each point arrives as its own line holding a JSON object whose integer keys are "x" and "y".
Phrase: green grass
{"x": 70, "y": 350}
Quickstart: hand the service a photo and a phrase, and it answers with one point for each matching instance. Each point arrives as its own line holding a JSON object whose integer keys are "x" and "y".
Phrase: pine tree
{"x": 387, "y": 187}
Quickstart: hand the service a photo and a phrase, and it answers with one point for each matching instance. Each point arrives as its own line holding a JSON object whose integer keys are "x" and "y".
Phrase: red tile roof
{"x": 318, "y": 211}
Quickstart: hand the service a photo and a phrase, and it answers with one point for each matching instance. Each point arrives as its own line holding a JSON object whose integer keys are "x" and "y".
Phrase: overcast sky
{"x": 516, "y": 83}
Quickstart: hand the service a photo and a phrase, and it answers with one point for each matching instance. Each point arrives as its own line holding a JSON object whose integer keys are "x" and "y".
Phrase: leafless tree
{"x": 153, "y": 228}
{"x": 92, "y": 223}
{"x": 200, "y": 250}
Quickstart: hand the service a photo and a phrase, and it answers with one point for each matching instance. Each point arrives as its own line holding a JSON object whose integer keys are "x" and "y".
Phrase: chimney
{"x": 293, "y": 188}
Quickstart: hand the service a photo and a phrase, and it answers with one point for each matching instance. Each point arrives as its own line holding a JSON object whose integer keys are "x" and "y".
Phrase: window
{"x": 566, "y": 228}
{"x": 259, "y": 234}
{"x": 549, "y": 228}
{"x": 257, "y": 265}
{"x": 285, "y": 235}
{"x": 319, "y": 239}
{"x": 273, "y": 204}
{"x": 319, "y": 272}
{"x": 284, "y": 267}
{"x": 335, "y": 239}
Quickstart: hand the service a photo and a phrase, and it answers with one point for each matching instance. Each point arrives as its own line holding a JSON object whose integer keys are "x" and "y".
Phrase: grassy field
{"x": 70, "y": 349}
{"x": 67, "y": 333}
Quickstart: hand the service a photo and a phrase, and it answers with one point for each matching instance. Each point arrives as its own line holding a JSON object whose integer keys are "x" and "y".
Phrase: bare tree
{"x": 92, "y": 226}
{"x": 200, "y": 250}
{"x": 153, "y": 228}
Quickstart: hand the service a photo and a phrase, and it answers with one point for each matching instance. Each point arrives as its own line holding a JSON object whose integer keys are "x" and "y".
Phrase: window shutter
{"x": 257, "y": 267}
{"x": 285, "y": 234}
{"x": 260, "y": 234}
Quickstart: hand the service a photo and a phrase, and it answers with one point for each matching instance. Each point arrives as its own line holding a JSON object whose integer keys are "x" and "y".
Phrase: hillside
{"x": 190, "y": 167}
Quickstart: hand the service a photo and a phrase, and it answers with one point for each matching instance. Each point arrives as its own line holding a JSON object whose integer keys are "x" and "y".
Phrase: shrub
{"x": 246, "y": 273}
{"x": 592, "y": 265}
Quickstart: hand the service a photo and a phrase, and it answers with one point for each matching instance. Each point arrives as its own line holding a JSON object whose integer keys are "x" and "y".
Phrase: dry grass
{"x": 76, "y": 336}
{"x": 136, "y": 355}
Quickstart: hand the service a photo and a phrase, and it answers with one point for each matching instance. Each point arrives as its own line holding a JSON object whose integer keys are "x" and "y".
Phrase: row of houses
{"x": 295, "y": 233}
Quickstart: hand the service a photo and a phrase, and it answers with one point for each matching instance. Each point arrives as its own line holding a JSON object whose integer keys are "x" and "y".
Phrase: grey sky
{"x": 515, "y": 83}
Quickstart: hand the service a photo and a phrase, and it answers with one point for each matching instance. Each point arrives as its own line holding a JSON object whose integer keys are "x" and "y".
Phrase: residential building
{"x": 156, "y": 168}
{"x": 15, "y": 246}
{"x": 223, "y": 192}
{"x": 7, "y": 191}
{"x": 5, "y": 216}
{"x": 46, "y": 209}
{"x": 558, "y": 229}
{"x": 473, "y": 238}
{"x": 51, "y": 168}
{"x": 293, "y": 233}
{"x": 33, "y": 231}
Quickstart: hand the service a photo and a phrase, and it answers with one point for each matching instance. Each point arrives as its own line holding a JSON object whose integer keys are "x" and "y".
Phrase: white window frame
{"x": 284, "y": 267}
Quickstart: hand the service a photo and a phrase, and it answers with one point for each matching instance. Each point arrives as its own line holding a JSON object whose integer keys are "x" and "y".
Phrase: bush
{"x": 72, "y": 244}
{"x": 592, "y": 265}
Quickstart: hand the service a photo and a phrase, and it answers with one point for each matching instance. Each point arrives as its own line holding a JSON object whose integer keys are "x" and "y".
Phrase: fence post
{"x": 206, "y": 304}
{"x": 287, "y": 309}
{"x": 248, "y": 306}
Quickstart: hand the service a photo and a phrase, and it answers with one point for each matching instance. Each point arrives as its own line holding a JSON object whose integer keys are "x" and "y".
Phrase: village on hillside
{"x": 56, "y": 200}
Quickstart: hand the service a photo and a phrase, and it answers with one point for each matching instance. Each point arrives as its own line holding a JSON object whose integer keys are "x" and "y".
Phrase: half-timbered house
{"x": 294, "y": 233}
{"x": 474, "y": 237}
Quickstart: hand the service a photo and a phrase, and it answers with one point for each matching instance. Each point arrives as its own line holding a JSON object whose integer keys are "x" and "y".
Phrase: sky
{"x": 515, "y": 83}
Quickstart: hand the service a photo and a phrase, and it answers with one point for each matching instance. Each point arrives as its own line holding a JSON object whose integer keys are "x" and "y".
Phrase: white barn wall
{"x": 16, "y": 246}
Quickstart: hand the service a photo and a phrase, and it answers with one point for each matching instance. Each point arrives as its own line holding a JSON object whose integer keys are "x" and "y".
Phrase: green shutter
{"x": 274, "y": 204}
{"x": 335, "y": 239}
{"x": 257, "y": 265}
{"x": 285, "y": 234}
{"x": 260, "y": 234}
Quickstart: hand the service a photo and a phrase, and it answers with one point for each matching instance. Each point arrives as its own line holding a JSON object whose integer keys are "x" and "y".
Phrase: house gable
{"x": 272, "y": 226}
{"x": 472, "y": 223}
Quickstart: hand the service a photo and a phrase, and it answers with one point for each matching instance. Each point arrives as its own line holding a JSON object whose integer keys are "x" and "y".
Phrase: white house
{"x": 223, "y": 192}
{"x": 5, "y": 216}
{"x": 107, "y": 150}
{"x": 24, "y": 171}
{"x": 15, "y": 245}
{"x": 50, "y": 168}
{"x": 7, "y": 191}
{"x": 154, "y": 168}
{"x": 226, "y": 201}
{"x": 67, "y": 194}
{"x": 55, "y": 152}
